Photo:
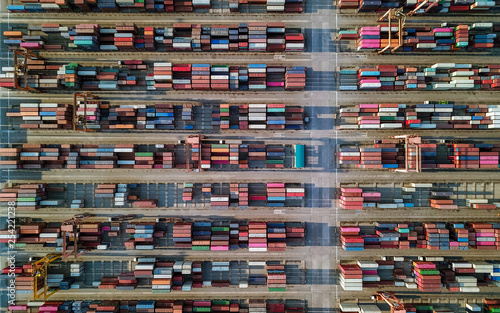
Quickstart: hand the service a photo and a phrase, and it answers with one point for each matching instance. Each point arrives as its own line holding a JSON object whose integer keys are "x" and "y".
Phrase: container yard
{"x": 249, "y": 156}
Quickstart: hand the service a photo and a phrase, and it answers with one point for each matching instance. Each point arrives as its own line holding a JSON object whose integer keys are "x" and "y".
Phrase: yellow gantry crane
{"x": 39, "y": 273}
{"x": 389, "y": 16}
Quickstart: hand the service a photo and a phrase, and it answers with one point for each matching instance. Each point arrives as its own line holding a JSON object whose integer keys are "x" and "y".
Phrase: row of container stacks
{"x": 164, "y": 306}
{"x": 428, "y": 276}
{"x": 431, "y": 236}
{"x": 44, "y": 235}
{"x": 88, "y": 156}
{"x": 360, "y": 198}
{"x": 348, "y": 307}
{"x": 440, "y": 76}
{"x": 477, "y": 36}
{"x": 184, "y": 275}
{"x": 239, "y": 195}
{"x": 488, "y": 306}
{"x": 72, "y": 156}
{"x": 390, "y": 154}
{"x": 258, "y": 116}
{"x": 427, "y": 115}
{"x": 205, "y": 155}
{"x": 256, "y": 236}
{"x": 252, "y": 37}
{"x": 434, "y": 6}
{"x": 150, "y": 6}
{"x": 134, "y": 75}
{"x": 35, "y": 196}
{"x": 102, "y": 115}
{"x": 143, "y": 235}
{"x": 26, "y": 197}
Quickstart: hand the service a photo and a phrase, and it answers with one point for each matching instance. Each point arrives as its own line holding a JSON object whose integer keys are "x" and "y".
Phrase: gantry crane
{"x": 413, "y": 153}
{"x": 389, "y": 16}
{"x": 397, "y": 306}
{"x": 69, "y": 228}
{"x": 39, "y": 269}
{"x": 79, "y": 119}
{"x": 194, "y": 140}
{"x": 415, "y": 11}
{"x": 21, "y": 57}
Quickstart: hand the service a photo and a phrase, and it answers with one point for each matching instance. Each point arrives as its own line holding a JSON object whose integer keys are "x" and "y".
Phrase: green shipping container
{"x": 144, "y": 154}
{"x": 275, "y": 161}
{"x": 276, "y": 289}
{"x": 220, "y": 302}
{"x": 200, "y": 248}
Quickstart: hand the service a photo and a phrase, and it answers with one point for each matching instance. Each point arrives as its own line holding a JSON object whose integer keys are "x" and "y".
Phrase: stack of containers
{"x": 234, "y": 81}
{"x": 437, "y": 236}
{"x": 90, "y": 235}
{"x": 276, "y": 194}
{"x": 461, "y": 36}
{"x": 219, "y": 202}
{"x": 125, "y": 36}
{"x": 243, "y": 235}
{"x": 274, "y": 77}
{"x": 370, "y": 272}
{"x": 427, "y": 276}
{"x": 257, "y": 37}
{"x": 76, "y": 269}
{"x": 459, "y": 236}
{"x": 257, "y": 77}
{"x": 351, "y": 198}
{"x": 294, "y": 42}
{"x": 368, "y": 38}
{"x": 442, "y": 202}
{"x": 143, "y": 235}
{"x": 276, "y": 277}
{"x": 351, "y": 239}
{"x": 491, "y": 305}
{"x": 162, "y": 277}
{"x": 369, "y": 79}
{"x": 182, "y": 234}
{"x": 201, "y": 235}
{"x": 257, "y": 116}
{"x": 479, "y": 204}
{"x": 86, "y": 37}
{"x": 219, "y": 240}
{"x": 276, "y": 234}
{"x": 295, "y": 78}
{"x": 485, "y": 236}
{"x": 219, "y": 78}
{"x": 351, "y": 277}
{"x": 257, "y": 236}
{"x": 349, "y": 156}
{"x": 162, "y": 77}
{"x": 234, "y": 236}
{"x": 149, "y": 40}
{"x": 275, "y": 156}
{"x": 219, "y": 38}
{"x": 126, "y": 281}
{"x": 187, "y": 192}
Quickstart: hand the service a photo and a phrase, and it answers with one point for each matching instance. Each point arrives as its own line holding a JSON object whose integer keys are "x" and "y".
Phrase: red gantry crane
{"x": 397, "y": 306}
{"x": 69, "y": 228}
